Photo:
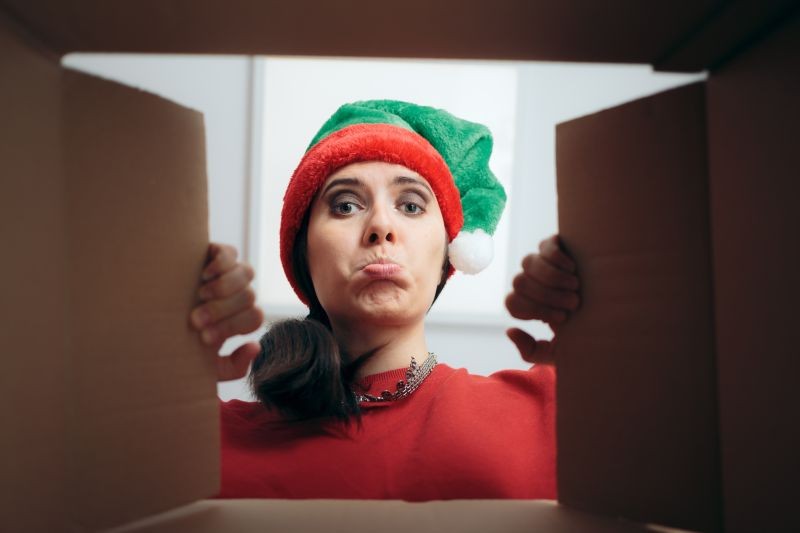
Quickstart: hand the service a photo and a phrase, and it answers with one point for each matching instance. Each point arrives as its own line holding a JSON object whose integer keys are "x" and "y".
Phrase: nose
{"x": 379, "y": 227}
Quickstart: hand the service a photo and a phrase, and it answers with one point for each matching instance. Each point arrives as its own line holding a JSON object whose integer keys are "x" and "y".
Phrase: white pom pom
{"x": 471, "y": 252}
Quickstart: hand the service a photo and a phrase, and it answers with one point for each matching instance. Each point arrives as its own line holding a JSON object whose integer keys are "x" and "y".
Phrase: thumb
{"x": 531, "y": 350}
{"x": 235, "y": 365}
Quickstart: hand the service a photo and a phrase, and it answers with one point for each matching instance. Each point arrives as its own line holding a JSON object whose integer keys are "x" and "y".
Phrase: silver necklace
{"x": 415, "y": 375}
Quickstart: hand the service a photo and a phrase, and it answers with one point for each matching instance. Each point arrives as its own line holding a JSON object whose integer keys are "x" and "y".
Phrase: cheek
{"x": 316, "y": 252}
{"x": 327, "y": 251}
{"x": 431, "y": 255}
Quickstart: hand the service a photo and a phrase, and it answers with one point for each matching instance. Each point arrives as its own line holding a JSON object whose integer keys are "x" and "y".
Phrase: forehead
{"x": 377, "y": 172}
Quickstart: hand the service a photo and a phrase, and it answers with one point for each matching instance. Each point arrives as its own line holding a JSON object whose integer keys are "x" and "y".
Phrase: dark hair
{"x": 301, "y": 371}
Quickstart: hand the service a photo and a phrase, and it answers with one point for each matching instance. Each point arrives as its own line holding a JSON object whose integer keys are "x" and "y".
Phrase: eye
{"x": 411, "y": 208}
{"x": 344, "y": 208}
{"x": 412, "y": 202}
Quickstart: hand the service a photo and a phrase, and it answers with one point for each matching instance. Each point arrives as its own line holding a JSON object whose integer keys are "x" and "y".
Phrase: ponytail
{"x": 299, "y": 372}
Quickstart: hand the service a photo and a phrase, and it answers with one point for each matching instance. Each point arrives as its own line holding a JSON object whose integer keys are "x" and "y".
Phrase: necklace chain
{"x": 415, "y": 375}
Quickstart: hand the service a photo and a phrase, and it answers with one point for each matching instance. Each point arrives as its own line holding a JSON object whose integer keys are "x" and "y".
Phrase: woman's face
{"x": 376, "y": 245}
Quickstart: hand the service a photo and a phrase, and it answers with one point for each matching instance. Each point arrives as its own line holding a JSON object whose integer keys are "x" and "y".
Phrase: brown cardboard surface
{"x": 110, "y": 408}
{"x": 753, "y": 118}
{"x": 480, "y": 516}
{"x": 144, "y": 424}
{"x": 637, "y": 429}
{"x": 733, "y": 27}
{"x": 103, "y": 212}
{"x": 32, "y": 285}
{"x": 627, "y": 31}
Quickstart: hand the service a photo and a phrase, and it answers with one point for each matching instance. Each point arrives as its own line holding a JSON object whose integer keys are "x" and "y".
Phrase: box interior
{"x": 102, "y": 178}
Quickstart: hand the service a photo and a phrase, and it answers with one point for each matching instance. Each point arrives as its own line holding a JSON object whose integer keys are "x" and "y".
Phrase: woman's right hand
{"x": 227, "y": 308}
{"x": 546, "y": 289}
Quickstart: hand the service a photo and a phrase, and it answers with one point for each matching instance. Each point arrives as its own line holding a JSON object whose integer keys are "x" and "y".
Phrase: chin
{"x": 380, "y": 303}
{"x": 385, "y": 305}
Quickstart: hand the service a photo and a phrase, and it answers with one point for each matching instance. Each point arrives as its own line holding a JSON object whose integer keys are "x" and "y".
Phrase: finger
{"x": 549, "y": 275}
{"x": 527, "y": 309}
{"x": 221, "y": 258}
{"x": 227, "y": 283}
{"x": 236, "y": 365}
{"x": 211, "y": 253}
{"x": 532, "y": 288}
{"x": 238, "y": 324}
{"x": 551, "y": 250}
{"x": 214, "y": 311}
{"x": 531, "y": 350}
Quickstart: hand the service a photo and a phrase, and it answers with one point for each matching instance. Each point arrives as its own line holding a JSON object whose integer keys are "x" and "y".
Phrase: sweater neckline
{"x": 381, "y": 380}
{"x": 374, "y": 384}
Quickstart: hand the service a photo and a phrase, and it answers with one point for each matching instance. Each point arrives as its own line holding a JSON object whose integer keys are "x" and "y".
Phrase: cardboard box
{"x": 753, "y": 116}
{"x": 642, "y": 346}
{"x": 103, "y": 208}
{"x": 391, "y": 516}
{"x": 681, "y": 210}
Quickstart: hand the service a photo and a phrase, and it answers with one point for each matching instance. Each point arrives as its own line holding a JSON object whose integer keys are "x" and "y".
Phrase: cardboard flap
{"x": 32, "y": 284}
{"x": 626, "y": 31}
{"x": 637, "y": 428}
{"x": 388, "y": 516}
{"x": 733, "y": 27}
{"x": 143, "y": 420}
{"x": 755, "y": 188}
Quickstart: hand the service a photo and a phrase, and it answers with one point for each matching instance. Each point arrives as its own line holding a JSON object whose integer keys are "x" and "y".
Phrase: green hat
{"x": 452, "y": 155}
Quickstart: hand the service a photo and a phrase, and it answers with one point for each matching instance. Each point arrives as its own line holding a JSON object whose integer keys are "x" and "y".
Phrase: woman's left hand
{"x": 227, "y": 308}
{"x": 546, "y": 289}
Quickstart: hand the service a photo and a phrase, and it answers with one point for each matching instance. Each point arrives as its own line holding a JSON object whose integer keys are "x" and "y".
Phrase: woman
{"x": 388, "y": 201}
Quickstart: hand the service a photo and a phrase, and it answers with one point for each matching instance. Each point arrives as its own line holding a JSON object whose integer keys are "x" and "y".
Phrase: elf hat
{"x": 452, "y": 154}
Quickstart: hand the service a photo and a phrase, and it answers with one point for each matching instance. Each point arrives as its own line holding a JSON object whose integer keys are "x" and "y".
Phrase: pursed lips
{"x": 381, "y": 268}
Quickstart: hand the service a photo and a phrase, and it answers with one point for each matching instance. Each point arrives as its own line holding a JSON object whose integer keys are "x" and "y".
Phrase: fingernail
{"x": 200, "y": 317}
{"x": 208, "y": 336}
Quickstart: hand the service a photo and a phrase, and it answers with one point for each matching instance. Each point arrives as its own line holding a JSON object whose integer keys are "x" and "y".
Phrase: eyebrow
{"x": 399, "y": 180}
{"x": 355, "y": 182}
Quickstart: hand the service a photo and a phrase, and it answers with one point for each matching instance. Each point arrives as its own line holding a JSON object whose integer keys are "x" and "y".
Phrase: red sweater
{"x": 458, "y": 436}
